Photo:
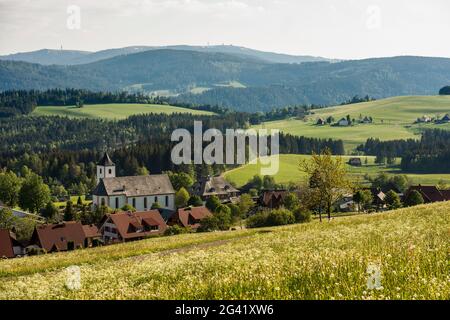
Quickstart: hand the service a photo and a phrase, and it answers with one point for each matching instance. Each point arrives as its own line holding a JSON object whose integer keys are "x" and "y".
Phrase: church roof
{"x": 106, "y": 161}
{"x": 135, "y": 186}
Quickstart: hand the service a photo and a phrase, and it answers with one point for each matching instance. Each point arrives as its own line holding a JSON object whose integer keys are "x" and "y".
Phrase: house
{"x": 343, "y": 122}
{"x": 424, "y": 119}
{"x": 445, "y": 119}
{"x": 189, "y": 217}
{"x": 127, "y": 226}
{"x": 139, "y": 191}
{"x": 378, "y": 197}
{"x": 272, "y": 198}
{"x": 321, "y": 122}
{"x": 429, "y": 193}
{"x": 91, "y": 233}
{"x": 367, "y": 120}
{"x": 217, "y": 186}
{"x": 356, "y": 162}
{"x": 58, "y": 237}
{"x": 9, "y": 246}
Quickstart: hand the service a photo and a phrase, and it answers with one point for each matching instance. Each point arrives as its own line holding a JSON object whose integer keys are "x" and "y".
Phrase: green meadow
{"x": 289, "y": 171}
{"x": 113, "y": 111}
{"x": 393, "y": 119}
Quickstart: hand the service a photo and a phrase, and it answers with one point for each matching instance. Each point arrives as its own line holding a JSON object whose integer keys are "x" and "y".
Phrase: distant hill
{"x": 72, "y": 57}
{"x": 262, "y": 85}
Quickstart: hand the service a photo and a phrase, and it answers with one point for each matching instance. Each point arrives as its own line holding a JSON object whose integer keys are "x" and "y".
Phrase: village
{"x": 139, "y": 207}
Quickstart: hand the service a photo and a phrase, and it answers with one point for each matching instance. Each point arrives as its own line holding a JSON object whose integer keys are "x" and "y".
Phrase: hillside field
{"x": 289, "y": 171}
{"x": 113, "y": 111}
{"x": 393, "y": 119}
{"x": 328, "y": 260}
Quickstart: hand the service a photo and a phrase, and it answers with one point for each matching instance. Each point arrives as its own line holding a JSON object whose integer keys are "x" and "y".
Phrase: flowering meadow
{"x": 404, "y": 253}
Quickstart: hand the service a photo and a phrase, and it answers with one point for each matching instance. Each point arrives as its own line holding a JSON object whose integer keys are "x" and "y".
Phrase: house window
{"x": 103, "y": 201}
{"x": 117, "y": 203}
{"x": 134, "y": 202}
{"x": 156, "y": 199}
{"x": 100, "y": 170}
{"x": 145, "y": 202}
{"x": 109, "y": 171}
{"x": 167, "y": 201}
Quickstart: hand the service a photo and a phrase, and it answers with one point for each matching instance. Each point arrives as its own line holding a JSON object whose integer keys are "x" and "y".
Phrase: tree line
{"x": 429, "y": 154}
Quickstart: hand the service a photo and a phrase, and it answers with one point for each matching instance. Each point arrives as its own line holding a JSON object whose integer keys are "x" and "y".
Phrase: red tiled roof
{"x": 138, "y": 220}
{"x": 6, "y": 245}
{"x": 197, "y": 213}
{"x": 91, "y": 231}
{"x": 51, "y": 236}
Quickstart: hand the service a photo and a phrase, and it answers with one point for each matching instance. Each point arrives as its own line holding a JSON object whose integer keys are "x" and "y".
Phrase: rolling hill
{"x": 304, "y": 261}
{"x": 289, "y": 171}
{"x": 393, "y": 119}
{"x": 263, "y": 85}
{"x": 113, "y": 111}
{"x": 72, "y": 57}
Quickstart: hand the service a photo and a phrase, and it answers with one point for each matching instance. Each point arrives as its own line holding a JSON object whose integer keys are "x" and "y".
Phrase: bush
{"x": 128, "y": 207}
{"x": 269, "y": 218}
{"x": 36, "y": 251}
{"x": 302, "y": 215}
{"x": 195, "y": 201}
{"x": 414, "y": 198}
{"x": 176, "y": 229}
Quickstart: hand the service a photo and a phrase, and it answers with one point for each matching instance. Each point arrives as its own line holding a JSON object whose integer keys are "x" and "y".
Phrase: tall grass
{"x": 326, "y": 260}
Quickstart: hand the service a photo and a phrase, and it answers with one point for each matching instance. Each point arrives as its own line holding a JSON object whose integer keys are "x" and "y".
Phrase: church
{"x": 139, "y": 191}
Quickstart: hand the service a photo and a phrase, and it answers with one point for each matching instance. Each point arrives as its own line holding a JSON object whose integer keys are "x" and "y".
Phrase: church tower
{"x": 105, "y": 168}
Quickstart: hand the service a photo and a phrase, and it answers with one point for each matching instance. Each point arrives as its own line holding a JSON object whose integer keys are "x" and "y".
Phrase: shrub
{"x": 302, "y": 215}
{"x": 269, "y": 218}
{"x": 128, "y": 207}
{"x": 195, "y": 201}
{"x": 414, "y": 198}
{"x": 176, "y": 229}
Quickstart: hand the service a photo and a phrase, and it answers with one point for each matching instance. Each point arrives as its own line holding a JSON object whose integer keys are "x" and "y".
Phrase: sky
{"x": 342, "y": 29}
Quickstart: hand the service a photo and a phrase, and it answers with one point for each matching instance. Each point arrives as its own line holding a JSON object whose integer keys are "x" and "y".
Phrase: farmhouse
{"x": 446, "y": 118}
{"x": 320, "y": 122}
{"x": 189, "y": 217}
{"x": 91, "y": 233}
{"x": 355, "y": 162}
{"x": 9, "y": 246}
{"x": 430, "y": 193}
{"x": 272, "y": 198}
{"x": 343, "y": 122}
{"x": 126, "y": 226}
{"x": 139, "y": 191}
{"x": 217, "y": 186}
{"x": 58, "y": 237}
{"x": 424, "y": 119}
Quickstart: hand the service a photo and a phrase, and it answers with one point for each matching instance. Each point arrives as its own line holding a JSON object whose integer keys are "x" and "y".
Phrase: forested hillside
{"x": 263, "y": 85}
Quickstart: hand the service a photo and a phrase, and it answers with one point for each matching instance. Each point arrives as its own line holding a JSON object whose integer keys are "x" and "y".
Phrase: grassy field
{"x": 111, "y": 111}
{"x": 328, "y": 260}
{"x": 393, "y": 119}
{"x": 289, "y": 172}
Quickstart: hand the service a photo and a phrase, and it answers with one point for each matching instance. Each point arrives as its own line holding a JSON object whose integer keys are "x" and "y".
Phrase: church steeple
{"x": 105, "y": 168}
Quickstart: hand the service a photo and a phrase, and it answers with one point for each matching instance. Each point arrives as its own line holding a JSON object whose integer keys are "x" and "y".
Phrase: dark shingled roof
{"x": 216, "y": 186}
{"x": 135, "y": 186}
{"x": 429, "y": 193}
{"x": 106, "y": 161}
